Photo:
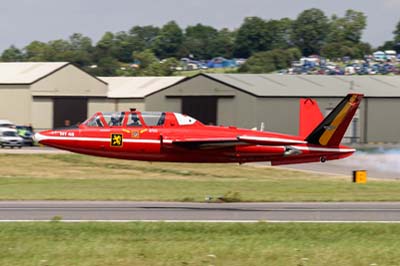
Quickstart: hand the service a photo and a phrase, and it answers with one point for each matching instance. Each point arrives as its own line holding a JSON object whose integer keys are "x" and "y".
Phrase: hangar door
{"x": 203, "y": 108}
{"x": 69, "y": 111}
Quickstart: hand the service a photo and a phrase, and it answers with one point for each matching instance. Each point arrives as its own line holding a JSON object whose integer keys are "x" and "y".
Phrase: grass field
{"x": 124, "y": 244}
{"x": 79, "y": 177}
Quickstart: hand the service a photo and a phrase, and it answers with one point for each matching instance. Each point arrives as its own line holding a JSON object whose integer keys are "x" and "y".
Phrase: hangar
{"x": 249, "y": 100}
{"x": 131, "y": 92}
{"x": 48, "y": 95}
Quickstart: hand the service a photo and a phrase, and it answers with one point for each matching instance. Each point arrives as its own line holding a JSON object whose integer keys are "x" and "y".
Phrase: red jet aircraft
{"x": 174, "y": 137}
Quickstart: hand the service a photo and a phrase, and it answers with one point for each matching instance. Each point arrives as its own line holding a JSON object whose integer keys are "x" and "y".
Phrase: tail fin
{"x": 310, "y": 116}
{"x": 332, "y": 129}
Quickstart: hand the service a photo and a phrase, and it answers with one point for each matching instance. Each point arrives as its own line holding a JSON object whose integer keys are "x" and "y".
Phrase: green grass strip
{"x": 78, "y": 177}
{"x": 123, "y": 244}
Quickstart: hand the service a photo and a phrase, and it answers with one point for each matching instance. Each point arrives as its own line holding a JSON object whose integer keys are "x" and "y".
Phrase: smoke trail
{"x": 380, "y": 159}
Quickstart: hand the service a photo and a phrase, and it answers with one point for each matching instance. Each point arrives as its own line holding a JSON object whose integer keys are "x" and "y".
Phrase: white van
{"x": 9, "y": 138}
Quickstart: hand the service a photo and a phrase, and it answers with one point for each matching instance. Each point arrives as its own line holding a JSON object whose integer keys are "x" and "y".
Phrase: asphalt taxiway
{"x": 198, "y": 212}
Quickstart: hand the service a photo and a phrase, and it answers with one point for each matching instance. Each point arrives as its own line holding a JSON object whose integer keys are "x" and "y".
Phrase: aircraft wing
{"x": 270, "y": 140}
{"x": 214, "y": 143}
{"x": 206, "y": 143}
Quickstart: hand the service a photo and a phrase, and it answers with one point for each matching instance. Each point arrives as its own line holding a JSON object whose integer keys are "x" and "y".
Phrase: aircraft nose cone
{"x": 39, "y": 137}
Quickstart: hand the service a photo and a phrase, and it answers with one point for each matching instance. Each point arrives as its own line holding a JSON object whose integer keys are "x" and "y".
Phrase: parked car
{"x": 26, "y": 133}
{"x": 9, "y": 138}
{"x": 6, "y": 123}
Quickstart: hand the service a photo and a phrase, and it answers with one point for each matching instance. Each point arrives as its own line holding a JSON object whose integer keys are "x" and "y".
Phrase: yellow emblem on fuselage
{"x": 116, "y": 140}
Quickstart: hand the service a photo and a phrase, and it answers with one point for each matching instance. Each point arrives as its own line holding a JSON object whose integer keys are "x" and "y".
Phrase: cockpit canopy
{"x": 139, "y": 119}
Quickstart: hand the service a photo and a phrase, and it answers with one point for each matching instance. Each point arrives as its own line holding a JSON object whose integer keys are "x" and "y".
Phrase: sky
{"x": 23, "y": 21}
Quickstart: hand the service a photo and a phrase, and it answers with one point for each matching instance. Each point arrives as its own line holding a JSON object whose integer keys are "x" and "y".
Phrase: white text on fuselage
{"x": 63, "y": 133}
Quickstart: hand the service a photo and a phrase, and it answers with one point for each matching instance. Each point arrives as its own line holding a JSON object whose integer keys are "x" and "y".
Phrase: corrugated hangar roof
{"x": 274, "y": 85}
{"x": 27, "y": 73}
{"x": 137, "y": 87}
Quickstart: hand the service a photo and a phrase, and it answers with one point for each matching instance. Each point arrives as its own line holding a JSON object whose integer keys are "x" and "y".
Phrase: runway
{"x": 198, "y": 212}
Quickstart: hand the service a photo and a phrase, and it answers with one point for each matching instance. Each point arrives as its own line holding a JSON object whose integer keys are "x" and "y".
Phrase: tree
{"x": 344, "y": 37}
{"x": 82, "y": 49}
{"x": 388, "y": 45}
{"x": 145, "y": 58}
{"x": 334, "y": 50}
{"x": 151, "y": 66}
{"x": 37, "y": 52}
{"x": 143, "y": 37}
{"x": 80, "y": 42}
{"x": 392, "y": 44}
{"x": 164, "y": 68}
{"x": 265, "y": 62}
{"x": 12, "y": 54}
{"x": 104, "y": 56}
{"x": 349, "y": 28}
{"x": 355, "y": 23}
{"x": 338, "y": 50}
{"x": 169, "y": 41}
{"x": 106, "y": 66}
{"x": 256, "y": 35}
{"x": 362, "y": 49}
{"x": 224, "y": 43}
{"x": 309, "y": 31}
{"x": 293, "y": 54}
{"x": 396, "y": 33}
{"x": 200, "y": 41}
{"x": 105, "y": 44}
{"x": 59, "y": 50}
{"x": 123, "y": 46}
{"x": 278, "y": 33}
{"x": 251, "y": 37}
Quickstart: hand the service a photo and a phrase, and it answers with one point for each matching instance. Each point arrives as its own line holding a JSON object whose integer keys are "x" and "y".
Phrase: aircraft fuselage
{"x": 157, "y": 144}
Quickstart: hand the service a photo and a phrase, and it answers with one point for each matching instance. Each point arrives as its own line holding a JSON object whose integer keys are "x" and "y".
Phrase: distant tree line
{"x": 268, "y": 45}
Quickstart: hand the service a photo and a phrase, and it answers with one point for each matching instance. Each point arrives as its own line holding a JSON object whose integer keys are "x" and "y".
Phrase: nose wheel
{"x": 323, "y": 159}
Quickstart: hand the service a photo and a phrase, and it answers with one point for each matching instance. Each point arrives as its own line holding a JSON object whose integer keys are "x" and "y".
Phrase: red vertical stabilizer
{"x": 310, "y": 116}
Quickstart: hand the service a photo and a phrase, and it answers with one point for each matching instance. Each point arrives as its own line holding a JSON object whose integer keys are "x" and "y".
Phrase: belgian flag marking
{"x": 330, "y": 129}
